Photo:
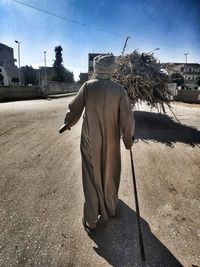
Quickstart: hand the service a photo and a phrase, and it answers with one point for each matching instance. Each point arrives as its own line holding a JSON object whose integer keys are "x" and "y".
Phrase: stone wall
{"x": 52, "y": 88}
{"x": 19, "y": 92}
{"x": 188, "y": 96}
{"x": 31, "y": 92}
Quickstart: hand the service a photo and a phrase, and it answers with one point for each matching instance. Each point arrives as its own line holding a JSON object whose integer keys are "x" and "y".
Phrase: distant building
{"x": 7, "y": 56}
{"x": 7, "y": 65}
{"x": 50, "y": 73}
{"x": 83, "y": 77}
{"x": 4, "y": 79}
{"x": 174, "y": 67}
{"x": 190, "y": 72}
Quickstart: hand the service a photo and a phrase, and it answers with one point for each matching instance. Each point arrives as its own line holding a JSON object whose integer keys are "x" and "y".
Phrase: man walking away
{"x": 107, "y": 116}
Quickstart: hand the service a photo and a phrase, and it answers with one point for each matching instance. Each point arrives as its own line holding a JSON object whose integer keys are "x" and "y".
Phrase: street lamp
{"x": 45, "y": 71}
{"x": 186, "y": 57}
{"x": 19, "y": 60}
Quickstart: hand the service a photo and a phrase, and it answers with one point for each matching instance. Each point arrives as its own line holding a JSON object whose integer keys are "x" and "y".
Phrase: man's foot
{"x": 90, "y": 228}
{"x": 94, "y": 227}
{"x": 91, "y": 225}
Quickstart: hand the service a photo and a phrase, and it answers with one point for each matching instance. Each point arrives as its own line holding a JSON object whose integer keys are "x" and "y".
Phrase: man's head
{"x": 104, "y": 64}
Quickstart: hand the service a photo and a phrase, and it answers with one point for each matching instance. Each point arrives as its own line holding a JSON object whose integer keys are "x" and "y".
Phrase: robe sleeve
{"x": 127, "y": 122}
{"x": 76, "y": 107}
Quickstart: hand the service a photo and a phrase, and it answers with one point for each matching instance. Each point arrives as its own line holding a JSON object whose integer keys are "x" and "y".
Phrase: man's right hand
{"x": 63, "y": 128}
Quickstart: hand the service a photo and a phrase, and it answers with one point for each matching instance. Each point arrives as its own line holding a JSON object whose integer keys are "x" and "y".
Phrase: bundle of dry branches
{"x": 141, "y": 75}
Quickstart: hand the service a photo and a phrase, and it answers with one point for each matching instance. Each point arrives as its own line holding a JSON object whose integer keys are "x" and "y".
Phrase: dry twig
{"x": 141, "y": 75}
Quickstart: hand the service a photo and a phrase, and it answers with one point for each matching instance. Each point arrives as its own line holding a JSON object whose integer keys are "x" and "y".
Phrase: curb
{"x": 60, "y": 95}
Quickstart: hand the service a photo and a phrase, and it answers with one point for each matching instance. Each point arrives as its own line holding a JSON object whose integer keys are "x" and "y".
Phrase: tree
{"x": 177, "y": 78}
{"x": 61, "y": 73}
{"x": 58, "y": 54}
{"x": 29, "y": 75}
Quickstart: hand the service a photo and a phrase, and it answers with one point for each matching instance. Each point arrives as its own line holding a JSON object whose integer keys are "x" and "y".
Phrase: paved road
{"x": 41, "y": 192}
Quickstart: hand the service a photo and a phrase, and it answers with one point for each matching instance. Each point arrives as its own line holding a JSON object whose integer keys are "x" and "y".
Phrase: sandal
{"x": 87, "y": 228}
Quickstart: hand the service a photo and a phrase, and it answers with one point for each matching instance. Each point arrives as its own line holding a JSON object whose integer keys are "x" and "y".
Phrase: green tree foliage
{"x": 177, "y": 78}
{"x": 29, "y": 75}
{"x": 58, "y": 54}
{"x": 61, "y": 73}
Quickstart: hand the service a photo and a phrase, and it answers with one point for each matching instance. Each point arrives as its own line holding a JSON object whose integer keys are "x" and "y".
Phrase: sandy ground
{"x": 41, "y": 194}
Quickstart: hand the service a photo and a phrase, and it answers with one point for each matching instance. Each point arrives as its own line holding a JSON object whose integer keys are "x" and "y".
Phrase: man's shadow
{"x": 164, "y": 129}
{"x": 118, "y": 243}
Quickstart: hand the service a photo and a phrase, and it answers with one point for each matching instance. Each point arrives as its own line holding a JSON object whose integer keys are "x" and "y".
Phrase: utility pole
{"x": 186, "y": 65}
{"x": 186, "y": 57}
{"x": 45, "y": 71}
{"x": 19, "y": 60}
{"x": 39, "y": 76}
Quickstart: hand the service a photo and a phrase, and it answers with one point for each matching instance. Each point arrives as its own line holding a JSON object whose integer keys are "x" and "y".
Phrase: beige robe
{"x": 107, "y": 115}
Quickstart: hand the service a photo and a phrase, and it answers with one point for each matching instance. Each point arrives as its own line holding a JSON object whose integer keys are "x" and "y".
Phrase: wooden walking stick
{"x": 142, "y": 253}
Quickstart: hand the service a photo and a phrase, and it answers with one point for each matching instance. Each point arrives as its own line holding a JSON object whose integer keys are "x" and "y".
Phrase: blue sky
{"x": 173, "y": 26}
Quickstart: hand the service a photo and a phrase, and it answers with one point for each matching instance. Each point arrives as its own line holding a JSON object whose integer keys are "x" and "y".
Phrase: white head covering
{"x": 104, "y": 65}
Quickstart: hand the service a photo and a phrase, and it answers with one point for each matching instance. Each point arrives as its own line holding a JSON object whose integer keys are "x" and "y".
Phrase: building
{"x": 4, "y": 79}
{"x": 83, "y": 77}
{"x": 190, "y": 72}
{"x": 7, "y": 65}
{"x": 174, "y": 67}
{"x": 50, "y": 73}
{"x": 7, "y": 56}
